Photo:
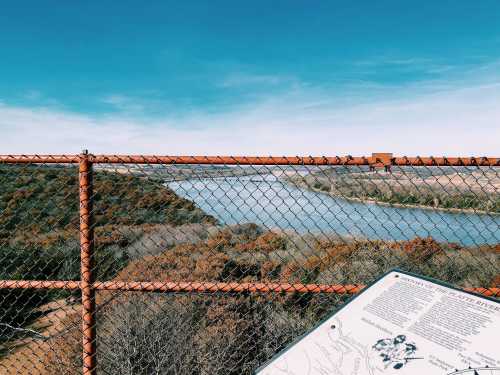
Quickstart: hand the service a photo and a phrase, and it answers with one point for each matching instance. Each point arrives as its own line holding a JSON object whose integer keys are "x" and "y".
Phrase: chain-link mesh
{"x": 38, "y": 241}
{"x": 213, "y": 265}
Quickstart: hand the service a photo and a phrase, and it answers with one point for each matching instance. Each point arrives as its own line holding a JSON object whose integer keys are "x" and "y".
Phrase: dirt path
{"x": 28, "y": 355}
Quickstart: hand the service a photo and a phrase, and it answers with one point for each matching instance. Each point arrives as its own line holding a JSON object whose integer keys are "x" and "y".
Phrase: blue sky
{"x": 250, "y": 77}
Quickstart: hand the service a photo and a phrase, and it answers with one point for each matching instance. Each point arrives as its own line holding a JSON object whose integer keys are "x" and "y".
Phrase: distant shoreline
{"x": 387, "y": 204}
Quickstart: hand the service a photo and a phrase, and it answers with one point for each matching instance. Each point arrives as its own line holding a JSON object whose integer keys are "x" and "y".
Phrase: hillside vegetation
{"x": 39, "y": 227}
{"x": 145, "y": 232}
{"x": 230, "y": 333}
{"x": 40, "y": 199}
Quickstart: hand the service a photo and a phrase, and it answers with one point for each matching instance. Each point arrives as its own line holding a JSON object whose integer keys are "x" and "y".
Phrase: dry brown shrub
{"x": 495, "y": 283}
{"x": 422, "y": 249}
{"x": 232, "y": 334}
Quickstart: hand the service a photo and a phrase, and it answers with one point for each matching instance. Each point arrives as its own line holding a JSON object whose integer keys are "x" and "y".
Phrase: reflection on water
{"x": 268, "y": 201}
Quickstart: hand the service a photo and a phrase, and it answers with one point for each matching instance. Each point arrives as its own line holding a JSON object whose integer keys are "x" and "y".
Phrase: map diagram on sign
{"x": 402, "y": 324}
{"x": 477, "y": 371}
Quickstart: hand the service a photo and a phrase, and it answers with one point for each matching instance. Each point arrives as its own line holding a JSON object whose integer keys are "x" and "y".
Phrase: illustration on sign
{"x": 401, "y": 324}
{"x": 396, "y": 352}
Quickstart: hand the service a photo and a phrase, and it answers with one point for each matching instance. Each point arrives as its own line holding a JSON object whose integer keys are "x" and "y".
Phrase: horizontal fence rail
{"x": 258, "y": 160}
{"x": 207, "y": 287}
{"x": 239, "y": 255}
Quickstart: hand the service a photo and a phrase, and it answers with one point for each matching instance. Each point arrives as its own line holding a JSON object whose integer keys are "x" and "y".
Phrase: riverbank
{"x": 304, "y": 185}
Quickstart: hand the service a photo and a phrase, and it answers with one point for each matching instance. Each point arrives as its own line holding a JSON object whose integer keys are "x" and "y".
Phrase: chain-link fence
{"x": 211, "y": 265}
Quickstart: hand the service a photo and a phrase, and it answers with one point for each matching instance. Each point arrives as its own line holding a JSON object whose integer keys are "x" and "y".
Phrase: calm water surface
{"x": 272, "y": 203}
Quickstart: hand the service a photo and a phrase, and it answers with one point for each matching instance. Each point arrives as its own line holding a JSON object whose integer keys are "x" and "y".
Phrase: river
{"x": 272, "y": 203}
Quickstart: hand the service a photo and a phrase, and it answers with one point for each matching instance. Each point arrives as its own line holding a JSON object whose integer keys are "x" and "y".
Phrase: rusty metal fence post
{"x": 87, "y": 277}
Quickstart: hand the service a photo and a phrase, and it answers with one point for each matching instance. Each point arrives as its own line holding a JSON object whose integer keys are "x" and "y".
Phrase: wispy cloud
{"x": 424, "y": 65}
{"x": 32, "y": 95}
{"x": 245, "y": 79}
{"x": 395, "y": 61}
{"x": 466, "y": 122}
{"x": 438, "y": 117}
{"x": 123, "y": 103}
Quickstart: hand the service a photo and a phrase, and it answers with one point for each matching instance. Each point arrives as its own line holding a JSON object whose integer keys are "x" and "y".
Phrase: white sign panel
{"x": 401, "y": 325}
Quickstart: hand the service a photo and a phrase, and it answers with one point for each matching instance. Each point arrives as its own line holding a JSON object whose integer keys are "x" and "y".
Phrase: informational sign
{"x": 402, "y": 324}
